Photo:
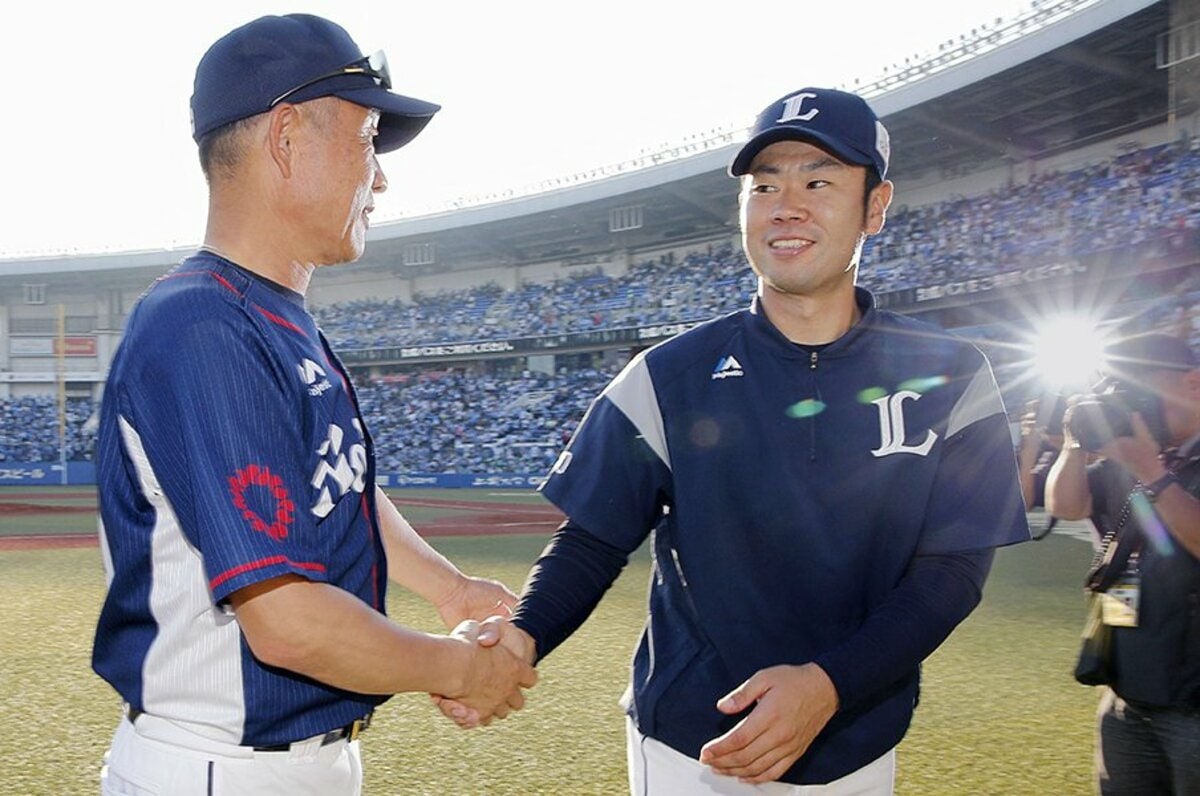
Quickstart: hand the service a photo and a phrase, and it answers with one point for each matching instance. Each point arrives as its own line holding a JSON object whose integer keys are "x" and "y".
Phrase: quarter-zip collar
{"x": 845, "y": 345}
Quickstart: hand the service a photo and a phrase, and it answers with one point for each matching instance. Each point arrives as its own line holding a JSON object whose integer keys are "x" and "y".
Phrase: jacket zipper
{"x": 812, "y": 427}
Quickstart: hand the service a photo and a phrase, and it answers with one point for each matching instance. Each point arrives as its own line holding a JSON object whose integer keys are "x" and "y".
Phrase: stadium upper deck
{"x": 1066, "y": 83}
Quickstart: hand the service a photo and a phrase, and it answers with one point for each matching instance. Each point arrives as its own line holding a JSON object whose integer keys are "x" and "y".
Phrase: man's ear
{"x": 282, "y": 121}
{"x": 877, "y": 205}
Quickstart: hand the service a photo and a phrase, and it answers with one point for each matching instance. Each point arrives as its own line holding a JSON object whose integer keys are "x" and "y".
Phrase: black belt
{"x": 350, "y": 732}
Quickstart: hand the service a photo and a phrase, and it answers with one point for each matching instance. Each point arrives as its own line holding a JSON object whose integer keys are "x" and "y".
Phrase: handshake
{"x": 499, "y": 663}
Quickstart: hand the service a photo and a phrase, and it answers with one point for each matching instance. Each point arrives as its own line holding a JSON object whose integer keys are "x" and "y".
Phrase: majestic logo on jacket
{"x": 891, "y": 426}
{"x": 726, "y": 367}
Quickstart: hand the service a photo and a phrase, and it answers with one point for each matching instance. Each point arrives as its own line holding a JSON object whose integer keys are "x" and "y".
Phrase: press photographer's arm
{"x": 1068, "y": 494}
{"x": 1178, "y": 510}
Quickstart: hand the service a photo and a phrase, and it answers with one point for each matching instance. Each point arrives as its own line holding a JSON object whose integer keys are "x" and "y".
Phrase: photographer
{"x": 1144, "y": 423}
{"x": 1040, "y": 442}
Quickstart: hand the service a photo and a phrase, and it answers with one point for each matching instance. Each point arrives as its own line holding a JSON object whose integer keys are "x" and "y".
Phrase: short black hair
{"x": 220, "y": 150}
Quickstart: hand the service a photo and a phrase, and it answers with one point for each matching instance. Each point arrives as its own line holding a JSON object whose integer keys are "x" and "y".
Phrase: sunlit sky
{"x": 97, "y": 152}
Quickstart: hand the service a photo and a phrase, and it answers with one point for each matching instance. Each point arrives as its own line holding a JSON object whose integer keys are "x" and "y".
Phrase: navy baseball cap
{"x": 840, "y": 123}
{"x": 298, "y": 57}
{"x": 1152, "y": 351}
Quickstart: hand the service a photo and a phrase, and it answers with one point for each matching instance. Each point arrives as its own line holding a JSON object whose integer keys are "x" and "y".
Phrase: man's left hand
{"x": 478, "y": 599}
{"x": 1137, "y": 453}
{"x": 794, "y": 705}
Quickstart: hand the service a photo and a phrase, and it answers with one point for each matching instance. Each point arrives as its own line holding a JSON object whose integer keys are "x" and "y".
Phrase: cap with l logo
{"x": 841, "y": 123}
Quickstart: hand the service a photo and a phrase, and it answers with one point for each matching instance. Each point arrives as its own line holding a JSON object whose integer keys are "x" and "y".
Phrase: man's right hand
{"x": 500, "y": 665}
{"x": 503, "y": 639}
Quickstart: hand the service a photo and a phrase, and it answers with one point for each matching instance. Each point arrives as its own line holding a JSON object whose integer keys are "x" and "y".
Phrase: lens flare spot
{"x": 705, "y": 433}
{"x": 923, "y": 384}
{"x": 871, "y": 395}
{"x": 809, "y": 407}
{"x": 1155, "y": 531}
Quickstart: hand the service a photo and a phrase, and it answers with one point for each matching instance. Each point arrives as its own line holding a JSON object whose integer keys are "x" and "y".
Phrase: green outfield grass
{"x": 43, "y": 510}
{"x": 999, "y": 712}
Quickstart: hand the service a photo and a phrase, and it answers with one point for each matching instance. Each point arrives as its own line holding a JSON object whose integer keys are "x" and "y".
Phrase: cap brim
{"x": 742, "y": 160}
{"x": 401, "y": 118}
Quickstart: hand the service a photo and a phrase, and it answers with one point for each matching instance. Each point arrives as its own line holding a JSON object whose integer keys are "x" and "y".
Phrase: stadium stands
{"x": 455, "y": 421}
{"x": 479, "y": 420}
{"x": 29, "y": 429}
{"x": 1127, "y": 200}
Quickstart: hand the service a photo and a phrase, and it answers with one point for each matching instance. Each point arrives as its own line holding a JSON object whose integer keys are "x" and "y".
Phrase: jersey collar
{"x": 839, "y": 347}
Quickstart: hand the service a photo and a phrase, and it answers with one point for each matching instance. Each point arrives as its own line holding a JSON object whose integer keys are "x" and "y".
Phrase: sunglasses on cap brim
{"x": 374, "y": 65}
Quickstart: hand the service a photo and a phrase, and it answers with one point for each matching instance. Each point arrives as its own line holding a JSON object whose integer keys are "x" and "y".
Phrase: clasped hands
{"x": 503, "y": 665}
{"x": 499, "y": 654}
{"x": 788, "y": 705}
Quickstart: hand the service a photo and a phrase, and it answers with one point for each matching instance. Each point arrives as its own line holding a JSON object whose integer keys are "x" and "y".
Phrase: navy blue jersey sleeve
{"x": 614, "y": 476}
{"x": 934, "y": 596}
{"x": 976, "y": 497}
{"x": 565, "y": 585}
{"x": 211, "y": 422}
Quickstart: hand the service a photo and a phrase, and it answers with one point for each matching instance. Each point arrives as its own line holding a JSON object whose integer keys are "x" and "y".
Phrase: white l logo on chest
{"x": 891, "y": 426}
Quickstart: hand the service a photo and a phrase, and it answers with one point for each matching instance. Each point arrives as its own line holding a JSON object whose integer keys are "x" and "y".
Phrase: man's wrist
{"x": 831, "y": 689}
{"x": 526, "y": 645}
{"x": 1071, "y": 445}
{"x": 452, "y": 582}
{"x": 1156, "y": 487}
{"x": 1146, "y": 467}
{"x": 457, "y": 663}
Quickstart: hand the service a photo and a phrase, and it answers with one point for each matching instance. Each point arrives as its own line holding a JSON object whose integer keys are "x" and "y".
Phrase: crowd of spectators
{"x": 668, "y": 289}
{"x": 476, "y": 420}
{"x": 465, "y": 420}
{"x": 458, "y": 421}
{"x": 29, "y": 429}
{"x": 437, "y": 421}
{"x": 1054, "y": 217}
{"x": 1178, "y": 316}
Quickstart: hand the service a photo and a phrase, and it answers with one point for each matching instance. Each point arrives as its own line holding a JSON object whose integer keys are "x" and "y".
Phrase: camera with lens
{"x": 1099, "y": 418}
{"x": 1050, "y": 410}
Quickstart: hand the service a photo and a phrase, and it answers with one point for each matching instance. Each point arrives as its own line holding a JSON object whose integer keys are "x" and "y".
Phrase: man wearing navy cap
{"x": 246, "y": 544}
{"x": 825, "y": 482}
{"x": 1143, "y": 496}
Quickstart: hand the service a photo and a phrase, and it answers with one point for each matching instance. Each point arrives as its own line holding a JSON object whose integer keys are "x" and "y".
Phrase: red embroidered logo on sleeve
{"x": 259, "y": 476}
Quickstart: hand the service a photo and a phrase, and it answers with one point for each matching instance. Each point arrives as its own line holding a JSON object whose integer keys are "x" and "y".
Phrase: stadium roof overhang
{"x": 1088, "y": 76}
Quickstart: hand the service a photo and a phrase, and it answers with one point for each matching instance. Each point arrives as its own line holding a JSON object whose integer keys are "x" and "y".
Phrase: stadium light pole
{"x": 60, "y": 344}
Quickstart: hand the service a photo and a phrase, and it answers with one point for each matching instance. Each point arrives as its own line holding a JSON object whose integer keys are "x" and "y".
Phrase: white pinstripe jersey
{"x": 230, "y": 451}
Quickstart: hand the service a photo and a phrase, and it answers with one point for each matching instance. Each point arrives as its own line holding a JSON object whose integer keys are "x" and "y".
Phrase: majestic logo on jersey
{"x": 314, "y": 376}
{"x": 792, "y": 106}
{"x": 271, "y": 486}
{"x": 341, "y": 470}
{"x": 726, "y": 367}
{"x": 891, "y": 426}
